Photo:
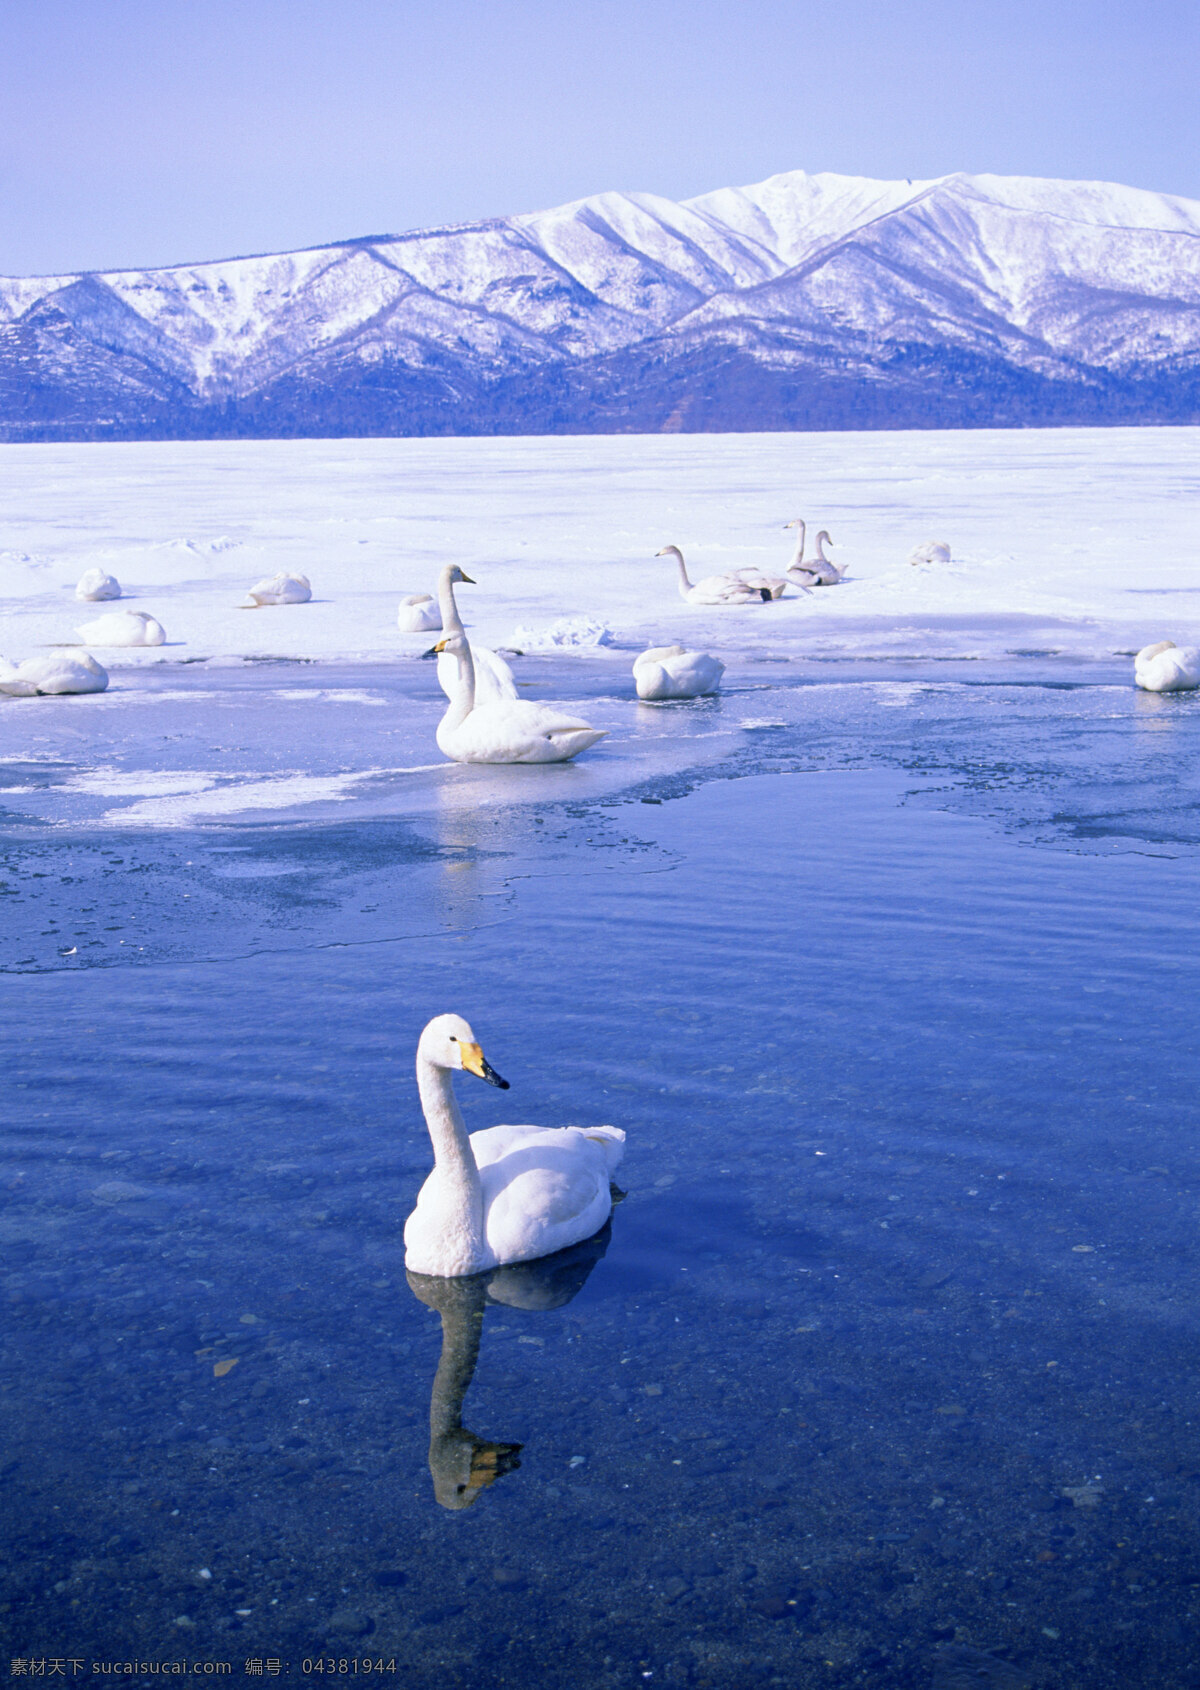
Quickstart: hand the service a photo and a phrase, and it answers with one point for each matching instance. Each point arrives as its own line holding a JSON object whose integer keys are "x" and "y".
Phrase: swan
{"x": 419, "y": 614}
{"x": 715, "y": 589}
{"x": 94, "y": 585}
{"x": 279, "y": 589}
{"x": 123, "y": 627}
{"x": 933, "y": 551}
{"x": 493, "y": 677}
{"x": 818, "y": 571}
{"x": 61, "y": 673}
{"x": 506, "y": 1194}
{"x": 1166, "y": 667}
{"x": 671, "y": 671}
{"x": 505, "y": 730}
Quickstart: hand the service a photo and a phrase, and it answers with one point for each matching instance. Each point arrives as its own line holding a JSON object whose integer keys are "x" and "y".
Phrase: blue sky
{"x": 143, "y": 132}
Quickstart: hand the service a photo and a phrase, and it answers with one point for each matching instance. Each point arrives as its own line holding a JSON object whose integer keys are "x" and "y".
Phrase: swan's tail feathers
{"x": 611, "y": 1140}
{"x": 574, "y": 740}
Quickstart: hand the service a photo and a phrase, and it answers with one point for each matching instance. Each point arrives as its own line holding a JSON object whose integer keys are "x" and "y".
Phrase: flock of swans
{"x": 487, "y": 721}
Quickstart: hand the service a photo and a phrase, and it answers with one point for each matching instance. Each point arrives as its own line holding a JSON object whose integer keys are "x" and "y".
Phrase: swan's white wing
{"x": 550, "y": 1188}
{"x": 493, "y": 677}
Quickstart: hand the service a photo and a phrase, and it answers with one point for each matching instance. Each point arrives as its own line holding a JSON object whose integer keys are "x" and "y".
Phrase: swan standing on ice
{"x": 52, "y": 675}
{"x": 506, "y": 1194}
{"x": 419, "y": 614}
{"x": 123, "y": 627}
{"x": 715, "y": 589}
{"x": 505, "y": 730}
{"x": 1167, "y": 667}
{"x": 819, "y": 571}
{"x": 933, "y": 551}
{"x": 94, "y": 585}
{"x": 279, "y": 589}
{"x": 493, "y": 677}
{"x": 671, "y": 671}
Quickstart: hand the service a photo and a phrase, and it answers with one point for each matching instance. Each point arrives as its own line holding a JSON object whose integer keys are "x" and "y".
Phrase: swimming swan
{"x": 819, "y": 571}
{"x": 933, "y": 551}
{"x": 123, "y": 627}
{"x": 279, "y": 589}
{"x": 61, "y": 673}
{"x": 671, "y": 671}
{"x": 493, "y": 677}
{"x": 715, "y": 589}
{"x": 94, "y": 585}
{"x": 505, "y": 730}
{"x": 419, "y": 614}
{"x": 1166, "y": 667}
{"x": 506, "y": 1194}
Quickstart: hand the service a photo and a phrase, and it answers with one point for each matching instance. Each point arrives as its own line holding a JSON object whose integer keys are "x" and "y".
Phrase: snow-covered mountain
{"x": 802, "y": 302}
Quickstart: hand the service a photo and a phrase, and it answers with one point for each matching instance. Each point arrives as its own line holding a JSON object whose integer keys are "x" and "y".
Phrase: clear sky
{"x": 145, "y": 132}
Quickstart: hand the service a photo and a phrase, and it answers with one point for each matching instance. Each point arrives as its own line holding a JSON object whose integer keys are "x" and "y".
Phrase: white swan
{"x": 493, "y": 677}
{"x": 94, "y": 585}
{"x": 123, "y": 627}
{"x": 671, "y": 671}
{"x": 61, "y": 673}
{"x": 933, "y": 551}
{"x": 1166, "y": 667}
{"x": 419, "y": 614}
{"x": 279, "y": 589}
{"x": 818, "y": 571}
{"x": 506, "y": 1194}
{"x": 505, "y": 730}
{"x": 714, "y": 589}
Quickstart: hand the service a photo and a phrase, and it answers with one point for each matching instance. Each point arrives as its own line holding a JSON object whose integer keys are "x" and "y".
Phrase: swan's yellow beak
{"x": 469, "y": 579}
{"x": 475, "y": 1062}
{"x": 441, "y": 645}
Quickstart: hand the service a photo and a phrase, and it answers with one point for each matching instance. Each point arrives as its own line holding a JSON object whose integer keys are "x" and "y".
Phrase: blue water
{"x": 884, "y": 1374}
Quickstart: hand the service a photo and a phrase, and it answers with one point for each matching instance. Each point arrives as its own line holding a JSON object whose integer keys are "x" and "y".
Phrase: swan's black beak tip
{"x": 493, "y": 1079}
{"x": 432, "y": 652}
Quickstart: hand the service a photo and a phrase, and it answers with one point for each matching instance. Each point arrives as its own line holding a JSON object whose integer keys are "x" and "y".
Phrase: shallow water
{"x": 883, "y": 1376}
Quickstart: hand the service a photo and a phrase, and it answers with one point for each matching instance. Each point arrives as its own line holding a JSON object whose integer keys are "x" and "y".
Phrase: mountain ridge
{"x": 804, "y": 301}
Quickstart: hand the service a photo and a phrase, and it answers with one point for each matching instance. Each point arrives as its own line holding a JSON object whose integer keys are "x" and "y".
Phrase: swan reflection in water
{"x": 462, "y": 1464}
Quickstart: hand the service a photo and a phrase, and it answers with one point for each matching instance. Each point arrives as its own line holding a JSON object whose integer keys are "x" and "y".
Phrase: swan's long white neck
{"x": 685, "y": 586}
{"x": 454, "y": 1160}
{"x": 798, "y": 556}
{"x": 451, "y": 620}
{"x": 821, "y": 558}
{"x": 463, "y": 702}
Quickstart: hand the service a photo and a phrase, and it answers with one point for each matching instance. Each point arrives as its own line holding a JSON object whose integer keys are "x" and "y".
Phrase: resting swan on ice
{"x": 278, "y": 589}
{"x": 419, "y": 614}
{"x": 506, "y": 1194}
{"x": 933, "y": 551}
{"x": 123, "y": 627}
{"x": 671, "y": 671}
{"x": 61, "y": 673}
{"x": 94, "y": 585}
{"x": 1166, "y": 667}
{"x": 818, "y": 571}
{"x": 715, "y": 589}
{"x": 505, "y": 730}
{"x": 493, "y": 677}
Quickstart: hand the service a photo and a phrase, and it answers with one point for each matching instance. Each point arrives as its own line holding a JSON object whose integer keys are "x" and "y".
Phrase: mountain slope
{"x": 803, "y": 301}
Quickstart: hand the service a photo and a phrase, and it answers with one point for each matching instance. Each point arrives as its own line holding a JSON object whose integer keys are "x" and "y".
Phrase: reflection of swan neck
{"x": 462, "y": 1329}
{"x": 454, "y": 1160}
{"x": 451, "y": 620}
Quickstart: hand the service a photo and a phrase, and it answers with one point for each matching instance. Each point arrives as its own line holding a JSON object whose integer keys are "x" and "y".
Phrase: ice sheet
{"x": 1073, "y": 540}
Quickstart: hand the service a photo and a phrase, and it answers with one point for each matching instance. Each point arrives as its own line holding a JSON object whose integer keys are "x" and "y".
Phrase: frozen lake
{"x": 885, "y": 960}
